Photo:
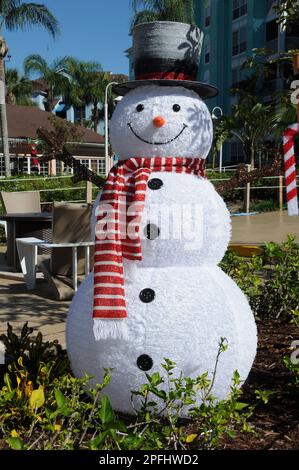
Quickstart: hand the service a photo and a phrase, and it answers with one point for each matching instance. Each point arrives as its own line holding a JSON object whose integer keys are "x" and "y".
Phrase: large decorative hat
{"x": 168, "y": 54}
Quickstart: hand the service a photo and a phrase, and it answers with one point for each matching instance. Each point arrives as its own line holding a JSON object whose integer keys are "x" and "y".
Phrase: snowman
{"x": 157, "y": 291}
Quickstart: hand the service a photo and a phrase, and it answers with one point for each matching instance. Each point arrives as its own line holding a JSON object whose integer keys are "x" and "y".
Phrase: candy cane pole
{"x": 290, "y": 168}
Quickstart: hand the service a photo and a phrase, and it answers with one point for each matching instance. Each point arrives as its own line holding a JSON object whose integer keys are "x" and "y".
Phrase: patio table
{"x": 30, "y": 224}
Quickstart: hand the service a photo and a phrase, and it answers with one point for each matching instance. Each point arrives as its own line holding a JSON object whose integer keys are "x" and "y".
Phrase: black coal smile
{"x": 157, "y": 143}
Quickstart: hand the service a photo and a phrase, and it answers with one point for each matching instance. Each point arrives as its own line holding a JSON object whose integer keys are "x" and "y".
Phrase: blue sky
{"x": 90, "y": 30}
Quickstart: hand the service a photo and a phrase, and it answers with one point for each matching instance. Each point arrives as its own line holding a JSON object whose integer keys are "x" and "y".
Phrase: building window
{"x": 206, "y": 77}
{"x": 239, "y": 74}
{"x": 239, "y": 41}
{"x": 79, "y": 114}
{"x": 236, "y": 152}
{"x": 207, "y": 15}
{"x": 101, "y": 167}
{"x": 271, "y": 30}
{"x": 239, "y": 8}
{"x": 207, "y": 50}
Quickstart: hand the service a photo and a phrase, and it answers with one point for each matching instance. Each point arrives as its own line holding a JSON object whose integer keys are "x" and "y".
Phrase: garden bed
{"x": 276, "y": 423}
{"x": 43, "y": 407}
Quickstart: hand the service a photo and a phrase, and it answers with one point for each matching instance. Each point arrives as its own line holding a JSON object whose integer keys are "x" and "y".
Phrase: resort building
{"x": 232, "y": 28}
{"x": 23, "y": 122}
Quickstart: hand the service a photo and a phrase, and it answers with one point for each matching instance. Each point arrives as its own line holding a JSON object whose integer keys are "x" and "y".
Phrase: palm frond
{"x": 144, "y": 16}
{"x": 27, "y": 15}
{"x": 163, "y": 10}
{"x": 35, "y": 63}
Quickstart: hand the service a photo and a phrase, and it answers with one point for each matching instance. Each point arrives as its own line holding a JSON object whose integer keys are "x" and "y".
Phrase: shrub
{"x": 270, "y": 280}
{"x": 57, "y": 411}
{"x": 59, "y": 188}
{"x": 264, "y": 206}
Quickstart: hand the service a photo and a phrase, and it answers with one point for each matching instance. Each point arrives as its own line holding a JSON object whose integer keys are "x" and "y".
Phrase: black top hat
{"x": 167, "y": 53}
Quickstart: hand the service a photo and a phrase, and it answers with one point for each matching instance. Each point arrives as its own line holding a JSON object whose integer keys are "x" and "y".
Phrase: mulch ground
{"x": 277, "y": 423}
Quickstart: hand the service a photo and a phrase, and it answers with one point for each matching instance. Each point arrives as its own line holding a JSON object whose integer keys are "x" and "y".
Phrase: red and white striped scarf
{"x": 117, "y": 234}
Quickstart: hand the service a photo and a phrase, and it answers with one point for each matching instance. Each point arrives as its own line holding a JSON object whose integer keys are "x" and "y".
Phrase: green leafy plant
{"x": 31, "y": 352}
{"x": 270, "y": 280}
{"x": 58, "y": 411}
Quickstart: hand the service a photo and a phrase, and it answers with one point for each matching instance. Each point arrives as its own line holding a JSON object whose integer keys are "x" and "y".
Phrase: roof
{"x": 39, "y": 84}
{"x": 23, "y": 122}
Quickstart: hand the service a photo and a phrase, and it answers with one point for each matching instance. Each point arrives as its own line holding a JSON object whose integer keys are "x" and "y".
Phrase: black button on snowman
{"x": 155, "y": 183}
{"x": 179, "y": 303}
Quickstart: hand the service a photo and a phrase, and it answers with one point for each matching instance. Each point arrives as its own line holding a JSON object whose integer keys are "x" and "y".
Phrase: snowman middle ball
{"x": 190, "y": 304}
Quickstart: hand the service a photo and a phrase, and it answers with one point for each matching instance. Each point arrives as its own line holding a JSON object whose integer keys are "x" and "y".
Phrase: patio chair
{"x": 71, "y": 250}
{"x": 21, "y": 202}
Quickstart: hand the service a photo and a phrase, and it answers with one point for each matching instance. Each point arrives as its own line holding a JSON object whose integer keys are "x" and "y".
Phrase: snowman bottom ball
{"x": 185, "y": 326}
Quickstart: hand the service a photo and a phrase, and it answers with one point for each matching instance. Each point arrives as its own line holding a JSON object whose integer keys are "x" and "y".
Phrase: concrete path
{"x": 17, "y": 305}
{"x": 261, "y": 228}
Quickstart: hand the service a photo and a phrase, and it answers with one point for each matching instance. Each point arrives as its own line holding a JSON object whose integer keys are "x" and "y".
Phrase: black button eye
{"x": 176, "y": 108}
{"x": 139, "y": 108}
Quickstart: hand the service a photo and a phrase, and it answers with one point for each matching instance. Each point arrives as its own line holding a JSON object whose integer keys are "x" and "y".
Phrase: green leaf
{"x": 106, "y": 413}
{"x": 97, "y": 441}
{"x": 15, "y": 443}
{"x": 240, "y": 406}
{"x": 7, "y": 382}
{"x": 37, "y": 398}
{"x": 60, "y": 400}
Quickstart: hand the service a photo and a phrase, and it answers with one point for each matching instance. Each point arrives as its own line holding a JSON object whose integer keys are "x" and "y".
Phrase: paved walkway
{"x": 17, "y": 305}
{"x": 261, "y": 228}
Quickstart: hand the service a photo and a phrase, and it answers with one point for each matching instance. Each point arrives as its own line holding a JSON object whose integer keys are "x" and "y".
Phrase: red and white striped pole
{"x": 290, "y": 167}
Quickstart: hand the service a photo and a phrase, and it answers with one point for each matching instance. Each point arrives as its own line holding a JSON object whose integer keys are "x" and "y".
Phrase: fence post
{"x": 247, "y": 193}
{"x": 28, "y": 165}
{"x": 280, "y": 192}
{"x": 88, "y": 195}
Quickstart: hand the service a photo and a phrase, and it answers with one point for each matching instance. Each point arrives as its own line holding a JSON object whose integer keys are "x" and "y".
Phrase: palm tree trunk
{"x": 296, "y": 71}
{"x": 252, "y": 158}
{"x": 214, "y": 153}
{"x": 3, "y": 114}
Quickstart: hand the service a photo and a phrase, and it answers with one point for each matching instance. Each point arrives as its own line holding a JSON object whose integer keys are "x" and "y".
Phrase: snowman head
{"x": 161, "y": 121}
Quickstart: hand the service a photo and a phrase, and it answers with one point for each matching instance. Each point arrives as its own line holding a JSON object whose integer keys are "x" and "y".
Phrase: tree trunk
{"x": 95, "y": 116}
{"x": 214, "y": 153}
{"x": 296, "y": 72}
{"x": 3, "y": 114}
{"x": 252, "y": 158}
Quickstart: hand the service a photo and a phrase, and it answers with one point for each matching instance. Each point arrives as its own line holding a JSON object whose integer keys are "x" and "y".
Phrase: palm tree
{"x": 14, "y": 15}
{"x": 251, "y": 125}
{"x": 163, "y": 10}
{"x": 18, "y": 89}
{"x": 86, "y": 85}
{"x": 98, "y": 84}
{"x": 52, "y": 74}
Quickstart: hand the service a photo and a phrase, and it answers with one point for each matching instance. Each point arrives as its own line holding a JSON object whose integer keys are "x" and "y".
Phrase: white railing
{"x": 248, "y": 188}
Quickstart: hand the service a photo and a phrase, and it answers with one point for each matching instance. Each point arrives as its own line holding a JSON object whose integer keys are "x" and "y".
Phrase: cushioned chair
{"x": 71, "y": 224}
{"x": 21, "y": 202}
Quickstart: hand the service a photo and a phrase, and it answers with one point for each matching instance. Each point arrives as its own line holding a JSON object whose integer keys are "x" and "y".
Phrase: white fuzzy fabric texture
{"x": 195, "y": 302}
{"x": 195, "y": 140}
{"x": 184, "y": 323}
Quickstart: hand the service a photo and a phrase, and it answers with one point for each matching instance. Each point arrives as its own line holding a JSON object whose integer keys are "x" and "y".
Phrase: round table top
{"x": 28, "y": 217}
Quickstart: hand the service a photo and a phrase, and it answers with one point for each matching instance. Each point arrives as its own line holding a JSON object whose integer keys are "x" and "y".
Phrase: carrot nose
{"x": 159, "y": 121}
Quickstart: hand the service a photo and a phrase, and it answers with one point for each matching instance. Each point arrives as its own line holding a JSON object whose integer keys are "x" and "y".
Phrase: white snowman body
{"x": 179, "y": 302}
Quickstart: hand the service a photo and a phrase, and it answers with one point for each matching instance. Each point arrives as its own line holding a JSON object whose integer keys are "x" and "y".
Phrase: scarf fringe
{"x": 110, "y": 329}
